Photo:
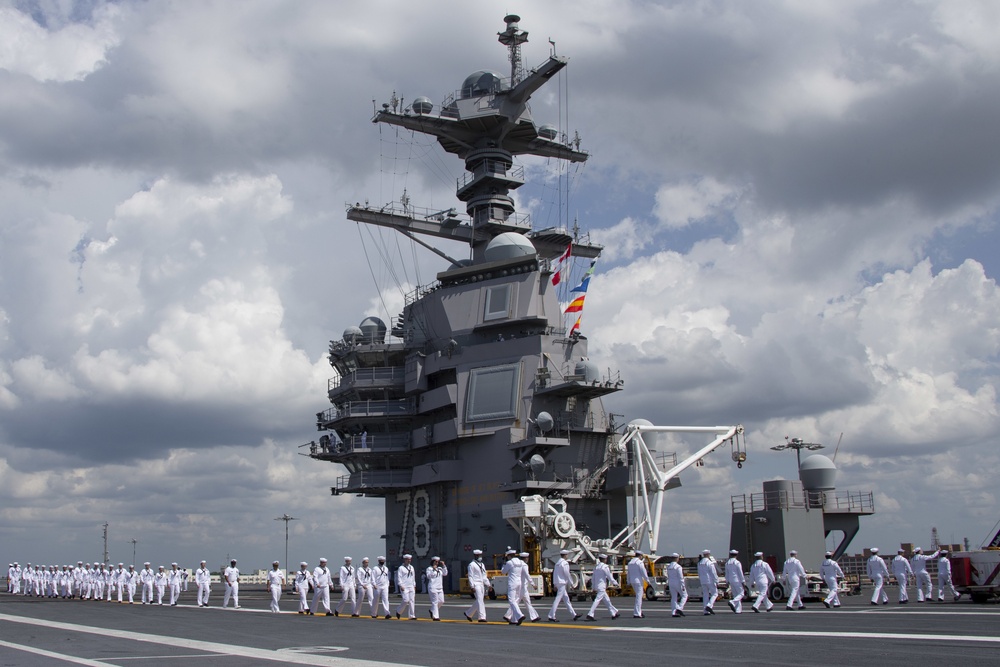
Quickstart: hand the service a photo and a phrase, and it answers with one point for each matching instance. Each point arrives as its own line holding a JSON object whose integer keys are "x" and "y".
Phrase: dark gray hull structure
{"x": 480, "y": 395}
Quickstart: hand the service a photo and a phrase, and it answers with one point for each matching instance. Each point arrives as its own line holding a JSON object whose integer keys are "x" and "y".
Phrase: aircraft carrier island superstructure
{"x": 477, "y": 415}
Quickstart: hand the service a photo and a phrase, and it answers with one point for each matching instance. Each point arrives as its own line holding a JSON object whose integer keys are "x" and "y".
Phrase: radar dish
{"x": 508, "y": 246}
{"x": 545, "y": 422}
{"x": 548, "y": 132}
{"x": 481, "y": 83}
{"x": 422, "y": 105}
{"x": 537, "y": 464}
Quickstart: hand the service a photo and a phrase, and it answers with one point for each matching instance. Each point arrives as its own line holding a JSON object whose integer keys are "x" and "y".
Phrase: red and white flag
{"x": 557, "y": 275}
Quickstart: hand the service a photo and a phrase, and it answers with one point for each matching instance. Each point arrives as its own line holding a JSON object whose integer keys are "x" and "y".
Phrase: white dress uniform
{"x": 512, "y": 568}
{"x": 637, "y": 576}
{"x": 322, "y": 580}
{"x": 302, "y": 579}
{"x": 678, "y": 589}
{"x": 406, "y": 582}
{"x": 435, "y": 586}
{"x": 348, "y": 587}
{"x": 174, "y": 581}
{"x": 902, "y": 571}
{"x": 231, "y": 575}
{"x": 381, "y": 578}
{"x": 793, "y": 573}
{"x": 78, "y": 580}
{"x": 119, "y": 578}
{"x": 527, "y": 585}
{"x": 203, "y": 580}
{"x": 708, "y": 575}
{"x": 925, "y": 588}
{"x": 561, "y": 580}
{"x": 275, "y": 580}
{"x": 600, "y": 581}
{"x": 878, "y": 573}
{"x": 160, "y": 582}
{"x": 944, "y": 578}
{"x": 146, "y": 577}
{"x": 737, "y": 582}
{"x": 366, "y": 589}
{"x": 131, "y": 578}
{"x": 479, "y": 582}
{"x": 830, "y": 572}
{"x": 761, "y": 578}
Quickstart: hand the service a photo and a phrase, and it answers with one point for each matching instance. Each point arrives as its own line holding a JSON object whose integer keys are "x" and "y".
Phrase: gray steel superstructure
{"x": 477, "y": 394}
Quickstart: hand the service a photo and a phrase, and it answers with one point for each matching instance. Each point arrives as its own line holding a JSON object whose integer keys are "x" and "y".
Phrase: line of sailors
{"x": 97, "y": 582}
{"x": 914, "y": 570}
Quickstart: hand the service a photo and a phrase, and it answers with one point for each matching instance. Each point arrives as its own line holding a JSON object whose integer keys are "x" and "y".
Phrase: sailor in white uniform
{"x": 512, "y": 568}
{"x": 479, "y": 582}
{"x": 231, "y": 575}
{"x": 902, "y": 572}
{"x": 406, "y": 583}
{"x": 600, "y": 580}
{"x": 131, "y": 579}
{"x": 830, "y": 572}
{"x": 527, "y": 585}
{"x": 925, "y": 588}
{"x": 275, "y": 580}
{"x": 944, "y": 577}
{"x": 366, "y": 588}
{"x": 120, "y": 582}
{"x": 678, "y": 589}
{"x": 737, "y": 582}
{"x": 147, "y": 577}
{"x": 303, "y": 578}
{"x": 878, "y": 573}
{"x": 761, "y": 578}
{"x": 174, "y": 581}
{"x": 322, "y": 581}
{"x": 348, "y": 586}
{"x": 561, "y": 580}
{"x": 160, "y": 582}
{"x": 436, "y": 573}
{"x": 381, "y": 578}
{"x": 708, "y": 575}
{"x": 203, "y": 580}
{"x": 638, "y": 578}
{"x": 793, "y": 573}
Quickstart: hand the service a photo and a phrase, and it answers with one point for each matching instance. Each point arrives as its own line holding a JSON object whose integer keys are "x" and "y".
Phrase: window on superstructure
{"x": 497, "y": 303}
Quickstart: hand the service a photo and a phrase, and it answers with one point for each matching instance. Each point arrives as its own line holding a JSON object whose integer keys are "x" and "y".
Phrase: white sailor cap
{"x": 874, "y": 550}
{"x": 233, "y": 560}
{"x": 793, "y": 552}
{"x": 638, "y": 553}
{"x": 203, "y": 562}
{"x": 381, "y": 558}
{"x": 477, "y": 552}
{"x": 829, "y": 553}
{"x": 303, "y": 564}
{"x": 523, "y": 554}
{"x": 564, "y": 552}
{"x": 733, "y": 552}
{"x": 759, "y": 553}
{"x": 675, "y": 555}
{"x": 161, "y": 567}
{"x": 917, "y": 550}
{"x": 146, "y": 563}
{"x": 510, "y": 552}
{"x": 434, "y": 558}
{"x": 603, "y": 556}
{"x": 901, "y": 550}
{"x": 322, "y": 560}
{"x": 121, "y": 564}
{"x": 347, "y": 558}
{"x": 944, "y": 551}
{"x": 365, "y": 559}
{"x": 275, "y": 563}
{"x": 173, "y": 565}
{"x": 407, "y": 556}
{"x": 131, "y": 566}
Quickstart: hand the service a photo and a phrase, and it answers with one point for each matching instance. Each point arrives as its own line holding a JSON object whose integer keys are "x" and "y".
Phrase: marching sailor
{"x": 366, "y": 587}
{"x": 637, "y": 578}
{"x": 203, "y": 580}
{"x": 479, "y": 582}
{"x": 600, "y": 581}
{"x": 678, "y": 590}
{"x": 131, "y": 578}
{"x": 902, "y": 571}
{"x": 709, "y": 578}
{"x": 406, "y": 582}
{"x": 348, "y": 587}
{"x": 793, "y": 573}
{"x": 925, "y": 588}
{"x": 512, "y": 568}
{"x": 830, "y": 572}
{"x": 275, "y": 580}
{"x": 878, "y": 573}
{"x": 303, "y": 578}
{"x": 146, "y": 577}
{"x": 944, "y": 577}
{"x": 561, "y": 580}
{"x": 435, "y": 585}
{"x": 737, "y": 582}
{"x": 381, "y": 577}
{"x": 174, "y": 580}
{"x": 322, "y": 581}
{"x": 761, "y": 578}
{"x": 160, "y": 581}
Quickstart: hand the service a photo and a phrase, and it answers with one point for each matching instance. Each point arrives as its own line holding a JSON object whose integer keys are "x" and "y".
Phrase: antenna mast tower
{"x": 513, "y": 37}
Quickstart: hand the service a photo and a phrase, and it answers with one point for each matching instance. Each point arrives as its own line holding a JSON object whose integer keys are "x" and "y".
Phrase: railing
{"x": 401, "y": 406}
{"x": 377, "y": 374}
{"x": 407, "y": 210}
{"x": 830, "y": 501}
{"x": 373, "y": 479}
{"x": 502, "y": 216}
{"x": 490, "y": 167}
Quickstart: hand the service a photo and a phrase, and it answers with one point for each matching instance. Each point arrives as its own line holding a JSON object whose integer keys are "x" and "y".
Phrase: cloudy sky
{"x": 799, "y": 202}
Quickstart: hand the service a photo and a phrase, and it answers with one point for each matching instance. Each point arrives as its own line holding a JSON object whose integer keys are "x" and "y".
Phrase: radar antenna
{"x": 513, "y": 37}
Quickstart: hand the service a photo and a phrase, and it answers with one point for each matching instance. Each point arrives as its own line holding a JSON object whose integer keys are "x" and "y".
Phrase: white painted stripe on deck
{"x": 812, "y": 633}
{"x": 196, "y": 645}
{"x": 56, "y": 656}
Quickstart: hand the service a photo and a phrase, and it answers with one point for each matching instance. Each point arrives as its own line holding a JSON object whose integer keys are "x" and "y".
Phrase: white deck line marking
{"x": 197, "y": 645}
{"x": 815, "y": 634}
{"x": 56, "y": 656}
{"x": 165, "y": 657}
